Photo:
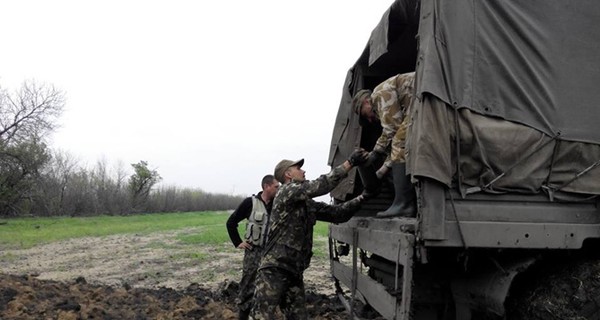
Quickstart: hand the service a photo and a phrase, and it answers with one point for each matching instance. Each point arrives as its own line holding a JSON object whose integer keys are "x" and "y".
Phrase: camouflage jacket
{"x": 391, "y": 100}
{"x": 294, "y": 214}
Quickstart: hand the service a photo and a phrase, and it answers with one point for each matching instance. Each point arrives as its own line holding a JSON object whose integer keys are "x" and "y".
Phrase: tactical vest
{"x": 256, "y": 229}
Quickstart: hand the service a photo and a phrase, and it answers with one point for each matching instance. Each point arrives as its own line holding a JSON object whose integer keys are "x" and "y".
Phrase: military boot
{"x": 404, "y": 195}
{"x": 370, "y": 181}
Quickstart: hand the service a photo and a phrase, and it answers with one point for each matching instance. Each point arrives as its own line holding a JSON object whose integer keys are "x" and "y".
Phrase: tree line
{"x": 37, "y": 180}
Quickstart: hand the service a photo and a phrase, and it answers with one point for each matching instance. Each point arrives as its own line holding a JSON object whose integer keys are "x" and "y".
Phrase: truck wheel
{"x": 556, "y": 289}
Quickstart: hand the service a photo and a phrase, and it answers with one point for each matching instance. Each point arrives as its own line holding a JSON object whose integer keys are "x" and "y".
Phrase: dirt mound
{"x": 150, "y": 276}
{"x": 26, "y": 297}
{"x": 556, "y": 289}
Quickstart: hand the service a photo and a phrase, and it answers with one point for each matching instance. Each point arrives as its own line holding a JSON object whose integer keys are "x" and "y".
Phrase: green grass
{"x": 321, "y": 229}
{"x": 208, "y": 234}
{"x": 28, "y": 232}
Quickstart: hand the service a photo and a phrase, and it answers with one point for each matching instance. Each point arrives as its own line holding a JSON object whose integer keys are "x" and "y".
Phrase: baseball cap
{"x": 358, "y": 99}
{"x": 283, "y": 165}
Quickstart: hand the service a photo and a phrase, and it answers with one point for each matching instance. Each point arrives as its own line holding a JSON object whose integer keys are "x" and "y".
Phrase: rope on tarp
{"x": 490, "y": 184}
{"x": 457, "y": 148}
{"x": 551, "y": 190}
{"x": 462, "y": 236}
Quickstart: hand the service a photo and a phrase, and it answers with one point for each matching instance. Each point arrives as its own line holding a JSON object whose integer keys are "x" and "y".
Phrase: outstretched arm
{"x": 335, "y": 213}
{"x": 327, "y": 182}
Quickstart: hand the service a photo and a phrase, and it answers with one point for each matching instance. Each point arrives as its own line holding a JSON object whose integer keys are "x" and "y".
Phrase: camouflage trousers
{"x": 278, "y": 287}
{"x": 247, "y": 284}
{"x": 398, "y": 144}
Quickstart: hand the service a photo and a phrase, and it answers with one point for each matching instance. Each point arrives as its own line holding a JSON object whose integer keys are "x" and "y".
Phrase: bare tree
{"x": 51, "y": 186}
{"x": 109, "y": 185}
{"x": 30, "y": 112}
{"x": 120, "y": 197}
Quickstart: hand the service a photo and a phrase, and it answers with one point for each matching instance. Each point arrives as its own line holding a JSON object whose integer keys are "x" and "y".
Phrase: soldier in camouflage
{"x": 289, "y": 246}
{"x": 389, "y": 104}
{"x": 256, "y": 210}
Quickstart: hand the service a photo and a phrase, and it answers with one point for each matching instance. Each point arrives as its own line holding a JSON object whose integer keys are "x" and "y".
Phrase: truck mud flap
{"x": 487, "y": 289}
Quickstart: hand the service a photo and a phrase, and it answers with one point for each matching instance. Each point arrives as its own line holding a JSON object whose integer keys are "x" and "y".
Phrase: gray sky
{"x": 211, "y": 93}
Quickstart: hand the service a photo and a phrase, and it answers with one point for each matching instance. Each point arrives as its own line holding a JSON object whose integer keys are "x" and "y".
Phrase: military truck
{"x": 503, "y": 149}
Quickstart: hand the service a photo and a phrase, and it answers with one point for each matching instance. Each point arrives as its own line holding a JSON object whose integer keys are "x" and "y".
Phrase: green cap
{"x": 283, "y": 165}
{"x": 358, "y": 99}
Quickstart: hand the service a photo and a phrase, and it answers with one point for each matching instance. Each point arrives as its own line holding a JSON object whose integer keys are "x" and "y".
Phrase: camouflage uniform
{"x": 289, "y": 246}
{"x": 391, "y": 101}
{"x": 247, "y": 283}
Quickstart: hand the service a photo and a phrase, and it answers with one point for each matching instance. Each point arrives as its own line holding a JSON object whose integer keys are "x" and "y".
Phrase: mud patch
{"x": 151, "y": 276}
{"x": 560, "y": 288}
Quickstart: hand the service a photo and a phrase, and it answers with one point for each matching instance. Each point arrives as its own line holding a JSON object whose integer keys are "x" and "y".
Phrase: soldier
{"x": 389, "y": 104}
{"x": 289, "y": 246}
{"x": 257, "y": 210}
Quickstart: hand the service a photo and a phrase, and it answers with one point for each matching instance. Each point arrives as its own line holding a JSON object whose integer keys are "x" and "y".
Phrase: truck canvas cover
{"x": 507, "y": 98}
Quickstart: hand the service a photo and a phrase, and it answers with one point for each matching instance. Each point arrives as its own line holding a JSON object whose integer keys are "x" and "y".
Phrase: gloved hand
{"x": 374, "y": 157}
{"x": 352, "y": 205}
{"x": 346, "y": 210}
{"x": 358, "y": 157}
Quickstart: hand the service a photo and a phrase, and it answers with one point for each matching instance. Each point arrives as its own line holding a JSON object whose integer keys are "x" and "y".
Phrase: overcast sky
{"x": 211, "y": 93}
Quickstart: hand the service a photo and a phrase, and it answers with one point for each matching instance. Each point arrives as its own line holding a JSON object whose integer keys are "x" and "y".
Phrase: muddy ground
{"x": 157, "y": 276}
{"x": 151, "y": 276}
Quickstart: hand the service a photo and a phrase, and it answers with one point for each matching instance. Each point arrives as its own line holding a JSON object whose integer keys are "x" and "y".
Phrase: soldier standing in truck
{"x": 389, "y": 104}
{"x": 257, "y": 210}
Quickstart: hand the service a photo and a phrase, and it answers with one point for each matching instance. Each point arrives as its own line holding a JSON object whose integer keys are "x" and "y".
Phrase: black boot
{"x": 371, "y": 184}
{"x": 404, "y": 195}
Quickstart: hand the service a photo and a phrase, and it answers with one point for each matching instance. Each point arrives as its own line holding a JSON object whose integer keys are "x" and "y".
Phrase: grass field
{"x": 146, "y": 250}
{"x": 22, "y": 233}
